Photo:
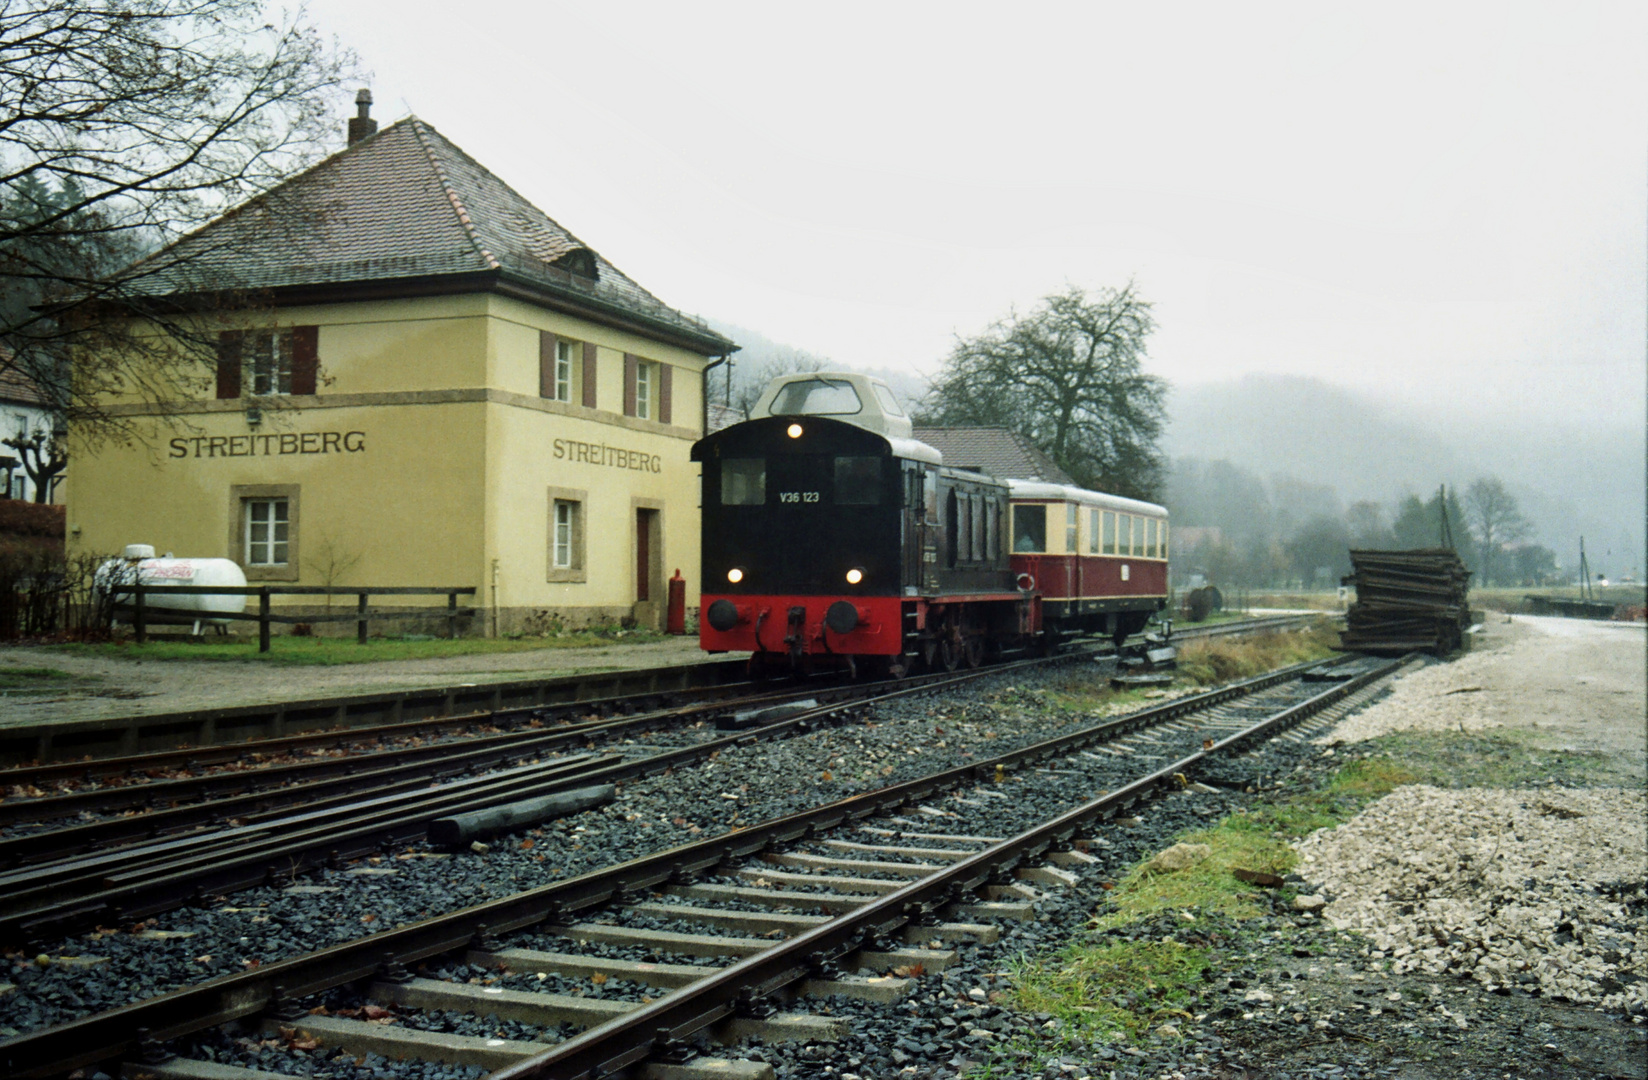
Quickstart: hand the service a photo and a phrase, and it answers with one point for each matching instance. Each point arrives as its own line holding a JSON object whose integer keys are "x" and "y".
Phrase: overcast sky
{"x": 1430, "y": 200}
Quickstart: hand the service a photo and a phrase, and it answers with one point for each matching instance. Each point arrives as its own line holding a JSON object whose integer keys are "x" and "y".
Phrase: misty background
{"x": 1264, "y": 458}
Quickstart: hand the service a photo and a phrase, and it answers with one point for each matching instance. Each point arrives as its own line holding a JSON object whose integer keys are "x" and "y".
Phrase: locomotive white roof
{"x": 849, "y": 396}
{"x": 1035, "y": 489}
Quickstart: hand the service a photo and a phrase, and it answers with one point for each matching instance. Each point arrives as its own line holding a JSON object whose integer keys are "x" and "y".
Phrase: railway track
{"x": 871, "y": 882}
{"x": 280, "y": 820}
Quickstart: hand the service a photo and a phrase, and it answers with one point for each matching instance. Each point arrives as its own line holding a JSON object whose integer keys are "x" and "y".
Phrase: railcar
{"x": 833, "y": 538}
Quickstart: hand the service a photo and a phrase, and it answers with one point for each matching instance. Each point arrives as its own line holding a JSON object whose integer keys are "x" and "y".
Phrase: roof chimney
{"x": 361, "y": 124}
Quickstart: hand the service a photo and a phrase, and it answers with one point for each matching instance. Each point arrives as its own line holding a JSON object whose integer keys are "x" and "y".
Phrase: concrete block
{"x": 403, "y": 1044}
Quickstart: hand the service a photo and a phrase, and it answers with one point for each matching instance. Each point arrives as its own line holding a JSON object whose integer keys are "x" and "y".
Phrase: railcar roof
{"x": 1030, "y": 489}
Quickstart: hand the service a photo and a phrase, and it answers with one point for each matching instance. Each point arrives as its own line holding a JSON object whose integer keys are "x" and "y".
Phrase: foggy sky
{"x": 1444, "y": 203}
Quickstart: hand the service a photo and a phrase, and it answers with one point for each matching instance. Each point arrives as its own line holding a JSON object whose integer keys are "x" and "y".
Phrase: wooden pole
{"x": 263, "y": 619}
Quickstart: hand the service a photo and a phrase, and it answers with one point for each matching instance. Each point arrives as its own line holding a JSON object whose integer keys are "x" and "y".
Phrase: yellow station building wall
{"x": 429, "y": 458}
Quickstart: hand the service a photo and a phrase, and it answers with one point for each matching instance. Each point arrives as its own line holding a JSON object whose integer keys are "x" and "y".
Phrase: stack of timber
{"x": 1407, "y": 601}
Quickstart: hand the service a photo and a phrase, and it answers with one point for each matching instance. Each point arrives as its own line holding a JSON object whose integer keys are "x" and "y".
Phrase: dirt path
{"x": 1557, "y": 684}
{"x": 104, "y": 687}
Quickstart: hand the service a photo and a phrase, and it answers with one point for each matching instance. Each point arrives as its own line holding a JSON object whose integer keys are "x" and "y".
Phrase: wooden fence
{"x": 141, "y": 611}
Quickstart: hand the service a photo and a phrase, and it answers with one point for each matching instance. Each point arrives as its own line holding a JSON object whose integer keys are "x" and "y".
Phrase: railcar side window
{"x": 743, "y": 481}
{"x": 1110, "y": 532}
{"x": 1070, "y": 528}
{"x": 1164, "y": 539}
{"x": 857, "y": 481}
{"x": 1132, "y": 542}
{"x": 1150, "y": 538}
{"x": 817, "y": 397}
{"x": 1093, "y": 532}
{"x": 1030, "y": 528}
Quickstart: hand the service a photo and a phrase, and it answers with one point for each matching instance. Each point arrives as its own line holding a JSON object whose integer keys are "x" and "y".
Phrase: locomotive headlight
{"x": 793, "y": 431}
{"x": 735, "y": 575}
{"x": 854, "y": 576}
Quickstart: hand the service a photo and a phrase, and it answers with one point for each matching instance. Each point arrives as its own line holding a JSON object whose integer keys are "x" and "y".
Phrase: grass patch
{"x": 1219, "y": 660}
{"x": 1509, "y": 758}
{"x": 1106, "y": 988}
{"x": 1110, "y": 991}
{"x": 31, "y": 678}
{"x": 301, "y": 651}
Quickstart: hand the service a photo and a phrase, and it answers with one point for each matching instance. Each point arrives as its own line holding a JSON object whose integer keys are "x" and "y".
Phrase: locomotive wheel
{"x": 975, "y": 650}
{"x": 950, "y": 652}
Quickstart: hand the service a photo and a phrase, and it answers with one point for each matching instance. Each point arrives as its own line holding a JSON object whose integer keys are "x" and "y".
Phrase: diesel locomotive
{"x": 831, "y": 537}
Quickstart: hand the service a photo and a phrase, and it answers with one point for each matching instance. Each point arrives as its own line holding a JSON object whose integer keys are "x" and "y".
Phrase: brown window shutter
{"x": 546, "y": 364}
{"x": 664, "y": 381}
{"x": 589, "y": 375}
{"x": 305, "y": 358}
{"x": 228, "y": 363}
{"x": 631, "y": 365}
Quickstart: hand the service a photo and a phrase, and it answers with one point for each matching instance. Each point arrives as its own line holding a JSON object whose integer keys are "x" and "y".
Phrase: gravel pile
{"x": 1511, "y": 888}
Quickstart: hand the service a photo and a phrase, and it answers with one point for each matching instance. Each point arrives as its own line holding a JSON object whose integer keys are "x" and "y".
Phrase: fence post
{"x": 452, "y": 614}
{"x": 263, "y": 619}
{"x": 360, "y": 625}
{"x": 139, "y": 627}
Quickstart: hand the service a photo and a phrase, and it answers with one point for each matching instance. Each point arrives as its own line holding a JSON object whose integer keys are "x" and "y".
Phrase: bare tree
{"x": 1069, "y": 376}
{"x": 125, "y": 124}
{"x": 43, "y": 458}
{"x": 1494, "y": 519}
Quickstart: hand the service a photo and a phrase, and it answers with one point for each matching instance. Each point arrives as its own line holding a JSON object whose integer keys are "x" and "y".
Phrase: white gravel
{"x": 1561, "y": 683}
{"x": 1499, "y": 886}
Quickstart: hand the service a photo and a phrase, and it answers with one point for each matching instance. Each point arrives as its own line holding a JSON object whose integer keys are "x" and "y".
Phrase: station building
{"x": 437, "y": 385}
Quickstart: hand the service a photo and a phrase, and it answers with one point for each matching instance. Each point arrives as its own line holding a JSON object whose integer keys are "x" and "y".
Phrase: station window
{"x": 270, "y": 358}
{"x": 643, "y": 390}
{"x": 858, "y": 481}
{"x": 743, "y": 481}
{"x": 566, "y": 535}
{"x": 565, "y": 513}
{"x": 1029, "y": 528}
{"x": 1093, "y": 532}
{"x": 268, "y": 523}
{"x": 563, "y": 370}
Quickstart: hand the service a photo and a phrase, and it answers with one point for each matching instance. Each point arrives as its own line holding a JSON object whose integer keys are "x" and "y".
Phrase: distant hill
{"x": 1569, "y": 478}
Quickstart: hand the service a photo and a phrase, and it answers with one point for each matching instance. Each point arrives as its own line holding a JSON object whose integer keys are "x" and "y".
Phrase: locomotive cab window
{"x": 817, "y": 397}
{"x": 858, "y": 481}
{"x": 1029, "y": 528}
{"x": 743, "y": 481}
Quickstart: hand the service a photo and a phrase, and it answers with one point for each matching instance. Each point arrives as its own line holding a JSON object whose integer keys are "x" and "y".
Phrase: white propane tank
{"x": 139, "y": 566}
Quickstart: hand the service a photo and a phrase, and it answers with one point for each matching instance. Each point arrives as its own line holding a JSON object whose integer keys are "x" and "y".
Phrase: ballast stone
{"x": 1178, "y": 857}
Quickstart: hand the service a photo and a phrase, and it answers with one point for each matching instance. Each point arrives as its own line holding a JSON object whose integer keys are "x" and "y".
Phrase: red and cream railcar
{"x": 1099, "y": 562}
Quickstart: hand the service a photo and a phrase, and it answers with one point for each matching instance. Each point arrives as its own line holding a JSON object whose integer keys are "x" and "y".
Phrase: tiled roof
{"x": 16, "y": 388}
{"x": 995, "y": 451}
{"x": 407, "y": 203}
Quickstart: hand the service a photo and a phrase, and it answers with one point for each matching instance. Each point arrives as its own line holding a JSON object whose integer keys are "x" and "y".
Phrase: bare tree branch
{"x": 125, "y": 125}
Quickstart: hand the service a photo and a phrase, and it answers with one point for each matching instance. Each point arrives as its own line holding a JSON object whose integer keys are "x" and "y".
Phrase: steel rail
{"x": 321, "y": 710}
{"x": 305, "y": 840}
{"x": 632, "y": 1037}
{"x": 232, "y": 997}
